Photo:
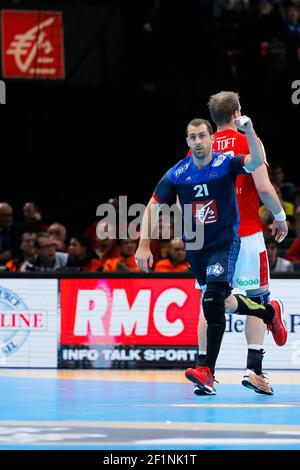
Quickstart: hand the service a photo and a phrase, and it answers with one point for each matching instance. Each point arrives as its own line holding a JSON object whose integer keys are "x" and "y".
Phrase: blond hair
{"x": 222, "y": 106}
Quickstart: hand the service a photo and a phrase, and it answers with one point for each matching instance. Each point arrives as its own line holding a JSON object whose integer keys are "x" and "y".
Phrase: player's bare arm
{"x": 143, "y": 255}
{"x": 270, "y": 199}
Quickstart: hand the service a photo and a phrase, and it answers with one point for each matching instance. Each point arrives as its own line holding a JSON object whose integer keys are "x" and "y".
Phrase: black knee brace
{"x": 214, "y": 302}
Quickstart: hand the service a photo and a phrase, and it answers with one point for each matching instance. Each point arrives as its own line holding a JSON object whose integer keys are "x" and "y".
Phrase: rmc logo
{"x": 2, "y": 92}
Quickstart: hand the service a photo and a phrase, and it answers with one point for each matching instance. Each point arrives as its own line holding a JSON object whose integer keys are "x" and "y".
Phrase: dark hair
{"x": 121, "y": 240}
{"x": 40, "y": 235}
{"x": 85, "y": 242}
{"x": 36, "y": 206}
{"x": 27, "y": 232}
{"x": 198, "y": 122}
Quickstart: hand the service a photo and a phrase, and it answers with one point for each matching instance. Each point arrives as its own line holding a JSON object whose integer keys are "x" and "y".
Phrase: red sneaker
{"x": 277, "y": 327}
{"x": 203, "y": 378}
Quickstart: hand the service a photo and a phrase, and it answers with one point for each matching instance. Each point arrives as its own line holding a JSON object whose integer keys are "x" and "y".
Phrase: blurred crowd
{"x": 239, "y": 33}
{"x": 269, "y": 29}
{"x": 33, "y": 245}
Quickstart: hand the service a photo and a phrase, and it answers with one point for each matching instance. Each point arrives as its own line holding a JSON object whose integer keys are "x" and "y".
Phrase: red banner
{"x": 32, "y": 44}
{"x": 129, "y": 311}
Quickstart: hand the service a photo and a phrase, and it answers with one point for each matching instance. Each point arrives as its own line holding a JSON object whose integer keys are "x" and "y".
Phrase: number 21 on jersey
{"x": 201, "y": 189}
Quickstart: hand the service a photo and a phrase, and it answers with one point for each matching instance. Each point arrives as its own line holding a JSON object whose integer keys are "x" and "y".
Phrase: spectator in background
{"x": 108, "y": 247}
{"x": 176, "y": 261}
{"x": 160, "y": 248}
{"x": 9, "y": 234}
{"x": 33, "y": 218}
{"x": 81, "y": 255}
{"x": 230, "y": 18}
{"x": 289, "y": 209}
{"x": 59, "y": 234}
{"x": 125, "y": 263}
{"x": 293, "y": 253}
{"x": 46, "y": 258}
{"x": 292, "y": 36}
{"x": 91, "y": 231}
{"x": 28, "y": 252}
{"x": 277, "y": 176}
{"x": 276, "y": 263}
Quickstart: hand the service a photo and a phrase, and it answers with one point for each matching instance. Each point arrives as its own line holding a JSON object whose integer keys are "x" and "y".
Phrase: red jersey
{"x": 234, "y": 143}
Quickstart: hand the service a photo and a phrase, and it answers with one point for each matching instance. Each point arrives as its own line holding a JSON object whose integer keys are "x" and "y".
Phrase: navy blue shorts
{"x": 215, "y": 263}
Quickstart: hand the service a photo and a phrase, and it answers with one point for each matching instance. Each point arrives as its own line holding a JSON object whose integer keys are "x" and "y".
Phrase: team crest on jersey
{"x": 215, "y": 269}
{"x": 205, "y": 212}
{"x": 219, "y": 160}
{"x": 181, "y": 169}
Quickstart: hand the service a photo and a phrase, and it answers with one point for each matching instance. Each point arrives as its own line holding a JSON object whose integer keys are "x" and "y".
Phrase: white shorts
{"x": 252, "y": 267}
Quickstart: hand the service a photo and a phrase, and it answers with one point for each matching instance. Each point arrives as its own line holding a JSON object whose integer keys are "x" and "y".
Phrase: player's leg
{"x": 202, "y": 330}
{"x": 252, "y": 275}
{"x": 271, "y": 314}
{"x": 255, "y": 330}
{"x": 214, "y": 313}
{"x": 219, "y": 267}
{"x": 202, "y": 340}
{"x": 220, "y": 264}
{"x": 253, "y": 377}
{"x": 198, "y": 264}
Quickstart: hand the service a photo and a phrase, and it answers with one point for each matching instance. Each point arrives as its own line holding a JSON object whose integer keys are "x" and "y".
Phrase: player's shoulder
{"x": 230, "y": 133}
{"x": 219, "y": 159}
{"x": 225, "y": 163}
{"x": 180, "y": 168}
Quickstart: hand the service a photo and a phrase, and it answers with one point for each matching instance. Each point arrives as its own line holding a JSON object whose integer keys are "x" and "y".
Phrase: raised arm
{"x": 257, "y": 153}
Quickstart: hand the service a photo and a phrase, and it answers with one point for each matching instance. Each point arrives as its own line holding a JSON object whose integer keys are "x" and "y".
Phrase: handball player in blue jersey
{"x": 205, "y": 184}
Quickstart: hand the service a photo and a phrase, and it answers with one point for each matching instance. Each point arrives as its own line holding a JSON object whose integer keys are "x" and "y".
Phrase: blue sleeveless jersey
{"x": 209, "y": 191}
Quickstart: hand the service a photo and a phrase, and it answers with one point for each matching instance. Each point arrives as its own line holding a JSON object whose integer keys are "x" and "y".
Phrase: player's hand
{"x": 279, "y": 230}
{"x": 144, "y": 258}
{"x": 243, "y": 123}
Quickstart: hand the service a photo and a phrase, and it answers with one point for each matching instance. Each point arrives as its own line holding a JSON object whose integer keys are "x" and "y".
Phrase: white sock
{"x": 255, "y": 346}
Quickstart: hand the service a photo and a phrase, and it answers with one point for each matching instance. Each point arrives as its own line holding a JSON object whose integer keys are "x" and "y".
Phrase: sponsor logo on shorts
{"x": 215, "y": 269}
{"x": 247, "y": 282}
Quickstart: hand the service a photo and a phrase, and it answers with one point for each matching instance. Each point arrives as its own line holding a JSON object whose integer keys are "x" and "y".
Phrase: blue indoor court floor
{"x": 112, "y": 409}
